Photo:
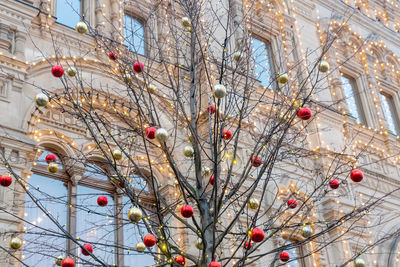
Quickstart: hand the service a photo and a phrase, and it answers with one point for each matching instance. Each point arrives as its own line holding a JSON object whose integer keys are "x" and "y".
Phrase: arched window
{"x": 134, "y": 34}
{"x": 68, "y": 12}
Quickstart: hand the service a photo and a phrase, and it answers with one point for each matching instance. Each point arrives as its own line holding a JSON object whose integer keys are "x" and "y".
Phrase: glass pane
{"x": 96, "y": 225}
{"x": 388, "y": 112}
{"x": 134, "y": 35}
{"x": 262, "y": 59}
{"x": 132, "y": 233}
{"x": 294, "y": 255}
{"x": 68, "y": 12}
{"x": 138, "y": 183}
{"x": 94, "y": 171}
{"x": 53, "y": 195}
{"x": 349, "y": 93}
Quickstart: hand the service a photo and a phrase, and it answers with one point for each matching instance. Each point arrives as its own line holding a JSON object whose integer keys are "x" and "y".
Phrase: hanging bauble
{"x": 138, "y": 67}
{"x": 306, "y": 231}
{"x": 68, "y": 262}
{"x": 81, "y": 27}
{"x": 127, "y": 78}
{"x": 180, "y": 260}
{"x": 219, "y": 91}
{"x": 15, "y": 243}
{"x": 71, "y": 72}
{"x": 58, "y": 260}
{"x": 283, "y": 78}
{"x": 226, "y": 134}
{"x": 117, "y": 154}
{"x": 50, "y": 158}
{"x": 359, "y": 263}
{"x": 135, "y": 214}
{"x": 151, "y": 88}
{"x": 211, "y": 181}
{"x": 334, "y": 184}
{"x": 57, "y": 71}
{"x": 188, "y": 151}
{"x": 88, "y": 247}
{"x": 214, "y": 264}
{"x": 52, "y": 167}
{"x": 211, "y": 109}
{"x": 284, "y": 256}
{"x": 161, "y": 135}
{"x": 102, "y": 201}
{"x": 41, "y": 100}
{"x": 149, "y": 240}
{"x": 187, "y": 211}
{"x": 247, "y": 245}
{"x": 253, "y": 203}
{"x": 237, "y": 56}
{"x": 257, "y": 235}
{"x": 113, "y": 55}
{"x": 151, "y": 132}
{"x": 292, "y": 203}
{"x": 256, "y": 161}
{"x": 304, "y": 113}
{"x": 185, "y": 21}
{"x": 323, "y": 66}
{"x": 356, "y": 176}
{"x": 199, "y": 243}
{"x": 140, "y": 247}
{"x": 206, "y": 171}
{"x": 5, "y": 180}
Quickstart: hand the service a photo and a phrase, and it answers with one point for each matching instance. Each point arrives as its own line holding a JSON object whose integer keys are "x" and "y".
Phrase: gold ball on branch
{"x": 253, "y": 203}
{"x": 135, "y": 214}
{"x": 219, "y": 91}
{"x": 206, "y": 171}
{"x": 41, "y": 100}
{"x": 127, "y": 78}
{"x": 188, "y": 151}
{"x": 199, "y": 243}
{"x": 323, "y": 66}
{"x": 81, "y": 27}
{"x": 359, "y": 263}
{"x": 151, "y": 88}
{"x": 185, "y": 21}
{"x": 140, "y": 247}
{"x": 283, "y": 78}
{"x": 161, "y": 135}
{"x": 15, "y": 243}
{"x": 53, "y": 167}
{"x": 71, "y": 72}
{"x": 237, "y": 56}
{"x": 117, "y": 154}
{"x": 58, "y": 260}
{"x": 306, "y": 231}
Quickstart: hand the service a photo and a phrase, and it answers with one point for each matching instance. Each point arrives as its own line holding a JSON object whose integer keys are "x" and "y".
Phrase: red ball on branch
{"x": 304, "y": 113}
{"x": 226, "y": 134}
{"x": 214, "y": 264}
{"x": 257, "y": 235}
{"x": 149, "y": 240}
{"x": 247, "y": 245}
{"x": 211, "y": 180}
{"x": 256, "y": 161}
{"x": 102, "y": 201}
{"x": 180, "y": 260}
{"x": 187, "y": 211}
{"x": 356, "y": 176}
{"x": 211, "y": 109}
{"x": 50, "y": 158}
{"x": 5, "y": 180}
{"x": 334, "y": 184}
{"x": 113, "y": 55}
{"x": 151, "y": 132}
{"x": 57, "y": 71}
{"x": 284, "y": 256}
{"x": 89, "y": 248}
{"x": 138, "y": 67}
{"x": 292, "y": 203}
{"x": 67, "y": 262}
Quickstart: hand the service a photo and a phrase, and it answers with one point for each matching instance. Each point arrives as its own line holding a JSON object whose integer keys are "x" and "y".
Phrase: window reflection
{"x": 352, "y": 96}
{"x": 68, "y": 12}
{"x": 389, "y": 112}
{"x": 296, "y": 255}
{"x": 262, "y": 59}
{"x": 134, "y": 35}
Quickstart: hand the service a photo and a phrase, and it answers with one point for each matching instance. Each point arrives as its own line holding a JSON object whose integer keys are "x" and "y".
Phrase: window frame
{"x": 355, "y": 87}
{"x": 140, "y": 20}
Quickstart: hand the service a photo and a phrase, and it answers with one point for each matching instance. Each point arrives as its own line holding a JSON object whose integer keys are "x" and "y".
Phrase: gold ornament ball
{"x": 135, "y": 214}
{"x": 185, "y": 21}
{"x": 283, "y": 78}
{"x": 206, "y": 171}
{"x": 117, "y": 154}
{"x": 127, "y": 78}
{"x": 140, "y": 247}
{"x": 81, "y": 27}
{"x": 58, "y": 260}
{"x": 152, "y": 88}
{"x": 323, "y": 66}
{"x": 71, "y": 72}
{"x": 237, "y": 56}
{"x": 188, "y": 151}
{"x": 15, "y": 243}
{"x": 219, "y": 91}
{"x": 253, "y": 203}
{"x": 199, "y": 243}
{"x": 41, "y": 100}
{"x": 161, "y": 135}
{"x": 306, "y": 231}
{"x": 52, "y": 167}
{"x": 359, "y": 263}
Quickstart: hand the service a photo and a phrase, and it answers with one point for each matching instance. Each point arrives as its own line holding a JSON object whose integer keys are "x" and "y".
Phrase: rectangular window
{"x": 389, "y": 112}
{"x": 134, "y": 35}
{"x": 353, "y": 100}
{"x": 261, "y": 52}
{"x": 296, "y": 254}
{"x": 68, "y": 12}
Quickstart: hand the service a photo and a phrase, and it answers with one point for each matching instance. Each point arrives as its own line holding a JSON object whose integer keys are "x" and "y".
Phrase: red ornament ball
{"x": 89, "y": 248}
{"x": 356, "y": 176}
{"x": 304, "y": 113}
{"x": 67, "y": 262}
{"x": 226, "y": 134}
{"x": 138, "y": 67}
{"x": 5, "y": 180}
{"x": 256, "y": 161}
{"x": 149, "y": 240}
{"x": 211, "y": 180}
{"x": 180, "y": 259}
{"x": 214, "y": 264}
{"x": 247, "y": 245}
{"x": 284, "y": 256}
{"x": 334, "y": 184}
{"x": 187, "y": 211}
{"x": 113, "y": 55}
{"x": 50, "y": 158}
{"x": 211, "y": 109}
{"x": 257, "y": 235}
{"x": 151, "y": 132}
{"x": 102, "y": 201}
{"x": 292, "y": 203}
{"x": 57, "y": 71}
